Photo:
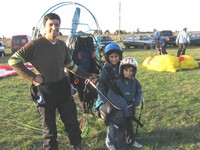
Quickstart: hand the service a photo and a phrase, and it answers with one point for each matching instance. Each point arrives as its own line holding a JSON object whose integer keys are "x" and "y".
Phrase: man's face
{"x": 52, "y": 27}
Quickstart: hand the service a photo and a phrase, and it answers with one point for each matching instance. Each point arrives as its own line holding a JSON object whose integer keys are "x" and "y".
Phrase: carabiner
{"x": 76, "y": 81}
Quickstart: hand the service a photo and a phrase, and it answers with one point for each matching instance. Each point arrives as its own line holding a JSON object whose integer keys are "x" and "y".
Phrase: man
{"x": 182, "y": 41}
{"x": 50, "y": 56}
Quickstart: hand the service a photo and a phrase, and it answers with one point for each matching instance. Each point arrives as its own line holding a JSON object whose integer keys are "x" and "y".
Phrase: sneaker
{"x": 137, "y": 145}
{"x": 78, "y": 147}
{"x": 111, "y": 147}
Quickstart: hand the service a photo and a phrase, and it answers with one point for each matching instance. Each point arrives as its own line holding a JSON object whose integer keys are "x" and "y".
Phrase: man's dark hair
{"x": 50, "y": 16}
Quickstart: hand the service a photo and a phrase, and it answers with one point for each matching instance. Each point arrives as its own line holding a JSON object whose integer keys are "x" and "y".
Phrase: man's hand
{"x": 93, "y": 77}
{"x": 38, "y": 80}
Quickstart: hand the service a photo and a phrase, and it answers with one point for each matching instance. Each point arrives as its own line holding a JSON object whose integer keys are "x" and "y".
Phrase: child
{"x": 157, "y": 38}
{"x": 110, "y": 72}
{"x": 162, "y": 47}
{"x": 125, "y": 99}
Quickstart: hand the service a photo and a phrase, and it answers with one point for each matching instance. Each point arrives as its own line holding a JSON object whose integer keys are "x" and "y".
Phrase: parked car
{"x": 195, "y": 39}
{"x": 18, "y": 41}
{"x": 168, "y": 37}
{"x": 142, "y": 41}
{"x": 2, "y": 50}
{"x": 102, "y": 41}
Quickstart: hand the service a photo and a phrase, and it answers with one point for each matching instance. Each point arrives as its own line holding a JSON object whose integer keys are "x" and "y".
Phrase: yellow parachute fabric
{"x": 169, "y": 63}
{"x": 187, "y": 62}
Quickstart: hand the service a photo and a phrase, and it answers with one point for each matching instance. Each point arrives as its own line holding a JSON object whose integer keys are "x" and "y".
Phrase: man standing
{"x": 50, "y": 56}
{"x": 182, "y": 41}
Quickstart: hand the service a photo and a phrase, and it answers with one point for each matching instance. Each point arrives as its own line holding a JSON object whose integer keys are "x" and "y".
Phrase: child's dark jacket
{"x": 109, "y": 74}
{"x": 130, "y": 94}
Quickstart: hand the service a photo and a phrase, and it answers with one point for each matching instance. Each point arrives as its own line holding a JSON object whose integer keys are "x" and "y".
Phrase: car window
{"x": 130, "y": 38}
{"x": 105, "y": 38}
{"x": 146, "y": 37}
{"x": 23, "y": 41}
{"x": 198, "y": 35}
{"x": 193, "y": 36}
{"x": 137, "y": 37}
{"x": 16, "y": 40}
{"x": 166, "y": 33}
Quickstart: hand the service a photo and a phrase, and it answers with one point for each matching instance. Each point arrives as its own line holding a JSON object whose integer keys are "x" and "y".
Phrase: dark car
{"x": 195, "y": 39}
{"x": 168, "y": 37}
{"x": 142, "y": 41}
{"x": 102, "y": 41}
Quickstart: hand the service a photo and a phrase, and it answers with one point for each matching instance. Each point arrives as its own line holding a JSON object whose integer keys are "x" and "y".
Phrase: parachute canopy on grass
{"x": 187, "y": 62}
{"x": 169, "y": 63}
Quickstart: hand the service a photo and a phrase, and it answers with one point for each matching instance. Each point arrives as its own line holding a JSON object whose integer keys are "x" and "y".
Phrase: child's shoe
{"x": 137, "y": 145}
{"x": 111, "y": 147}
{"x": 78, "y": 147}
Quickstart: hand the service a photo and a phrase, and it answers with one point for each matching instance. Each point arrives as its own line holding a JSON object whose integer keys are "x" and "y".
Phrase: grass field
{"x": 171, "y": 114}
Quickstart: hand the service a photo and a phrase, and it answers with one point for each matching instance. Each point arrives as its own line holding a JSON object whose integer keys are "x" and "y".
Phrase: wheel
{"x": 3, "y": 54}
{"x": 127, "y": 46}
{"x": 146, "y": 46}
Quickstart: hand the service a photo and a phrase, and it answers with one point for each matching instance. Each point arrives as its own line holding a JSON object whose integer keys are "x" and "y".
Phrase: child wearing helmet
{"x": 126, "y": 98}
{"x": 110, "y": 72}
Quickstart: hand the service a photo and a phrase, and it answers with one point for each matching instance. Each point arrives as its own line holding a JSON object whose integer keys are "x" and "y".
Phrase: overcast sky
{"x": 20, "y": 16}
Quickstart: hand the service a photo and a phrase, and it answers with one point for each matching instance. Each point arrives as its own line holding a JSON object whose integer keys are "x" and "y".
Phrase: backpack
{"x": 83, "y": 56}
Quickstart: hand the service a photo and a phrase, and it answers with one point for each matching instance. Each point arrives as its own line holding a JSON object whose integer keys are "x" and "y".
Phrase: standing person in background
{"x": 50, "y": 56}
{"x": 162, "y": 47}
{"x": 182, "y": 41}
{"x": 157, "y": 39}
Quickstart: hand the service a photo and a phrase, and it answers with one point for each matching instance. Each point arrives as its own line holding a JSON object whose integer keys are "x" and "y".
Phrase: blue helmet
{"x": 112, "y": 47}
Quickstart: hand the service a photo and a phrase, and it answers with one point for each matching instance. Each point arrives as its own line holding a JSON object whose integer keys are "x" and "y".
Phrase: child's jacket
{"x": 130, "y": 94}
{"x": 108, "y": 75}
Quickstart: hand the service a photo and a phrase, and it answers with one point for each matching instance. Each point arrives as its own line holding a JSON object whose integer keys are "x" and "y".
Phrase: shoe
{"x": 78, "y": 147}
{"x": 111, "y": 147}
{"x": 137, "y": 145}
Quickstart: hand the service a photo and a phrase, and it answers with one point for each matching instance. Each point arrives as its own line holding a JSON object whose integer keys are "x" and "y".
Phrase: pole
{"x": 119, "y": 19}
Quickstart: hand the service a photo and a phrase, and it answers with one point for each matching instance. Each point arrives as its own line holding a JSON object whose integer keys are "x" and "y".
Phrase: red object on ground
{"x": 6, "y": 70}
{"x": 181, "y": 58}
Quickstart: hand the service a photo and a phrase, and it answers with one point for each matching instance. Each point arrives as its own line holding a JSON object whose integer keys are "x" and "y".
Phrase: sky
{"x": 20, "y": 16}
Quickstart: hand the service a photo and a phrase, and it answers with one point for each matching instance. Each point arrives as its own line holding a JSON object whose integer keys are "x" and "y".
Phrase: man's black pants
{"x": 58, "y": 96}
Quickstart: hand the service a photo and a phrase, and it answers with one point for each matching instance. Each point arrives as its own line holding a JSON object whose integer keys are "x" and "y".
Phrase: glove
{"x": 83, "y": 74}
{"x": 136, "y": 103}
{"x": 93, "y": 77}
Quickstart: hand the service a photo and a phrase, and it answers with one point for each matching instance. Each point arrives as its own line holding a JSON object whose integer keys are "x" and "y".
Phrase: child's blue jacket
{"x": 131, "y": 93}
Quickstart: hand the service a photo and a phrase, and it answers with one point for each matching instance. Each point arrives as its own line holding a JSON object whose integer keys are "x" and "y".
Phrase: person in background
{"x": 157, "y": 39}
{"x": 182, "y": 41}
{"x": 162, "y": 47}
{"x": 125, "y": 97}
{"x": 50, "y": 56}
